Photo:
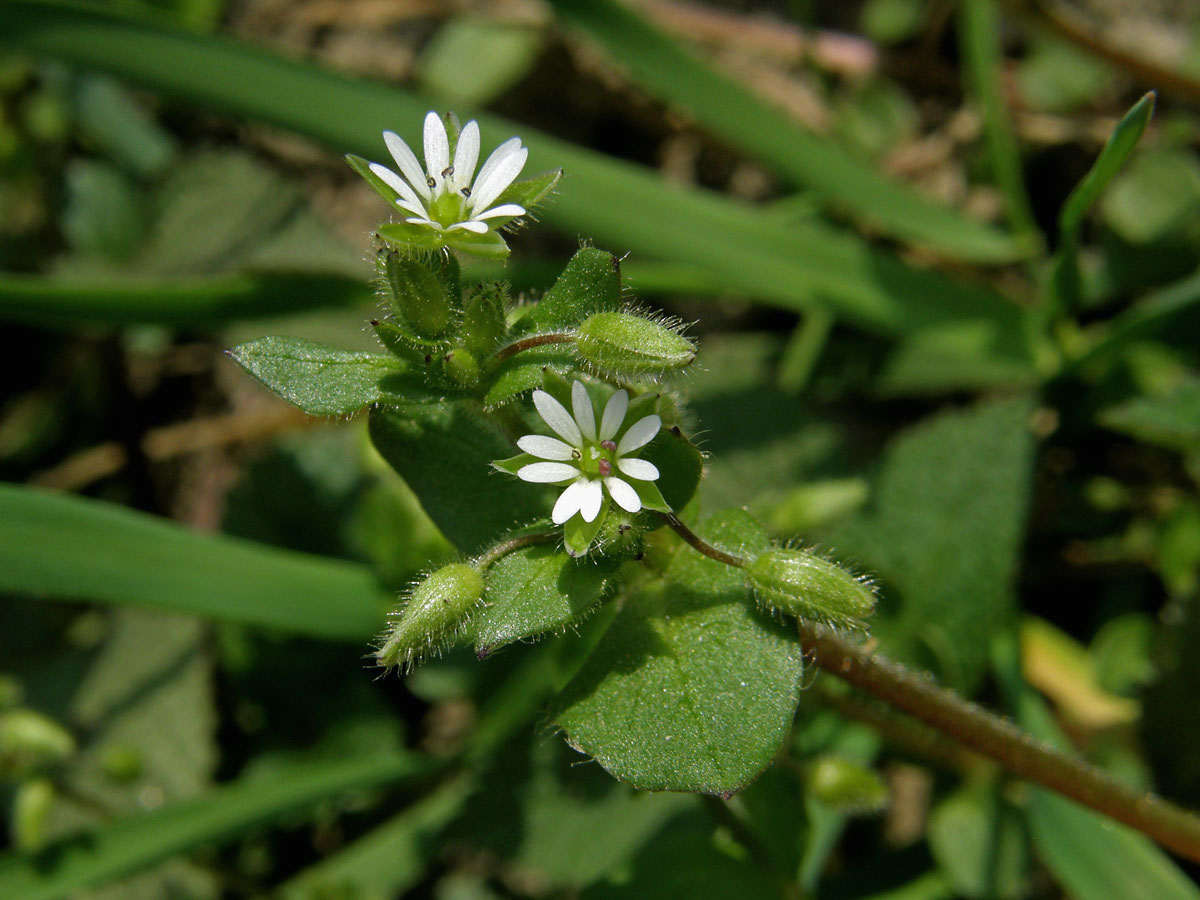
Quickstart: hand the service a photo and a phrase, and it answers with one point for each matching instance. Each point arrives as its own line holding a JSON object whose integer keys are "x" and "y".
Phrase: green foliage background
{"x": 984, "y": 395}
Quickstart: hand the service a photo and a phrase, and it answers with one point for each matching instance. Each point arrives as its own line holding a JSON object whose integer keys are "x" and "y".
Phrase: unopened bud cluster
{"x": 801, "y": 584}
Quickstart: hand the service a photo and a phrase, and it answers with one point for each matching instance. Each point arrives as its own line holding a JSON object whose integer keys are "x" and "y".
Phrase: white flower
{"x": 587, "y": 459}
{"x": 442, "y": 195}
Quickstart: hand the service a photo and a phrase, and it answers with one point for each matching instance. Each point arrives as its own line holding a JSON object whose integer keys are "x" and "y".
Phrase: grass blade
{"x": 675, "y": 75}
{"x": 74, "y": 548}
{"x": 199, "y": 301}
{"x": 134, "y": 843}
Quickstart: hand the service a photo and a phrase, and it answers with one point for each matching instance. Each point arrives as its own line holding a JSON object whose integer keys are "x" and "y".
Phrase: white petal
{"x": 589, "y": 502}
{"x": 568, "y": 501}
{"x": 625, "y": 495}
{"x": 640, "y": 433}
{"x": 584, "y": 414}
{"x": 504, "y": 209}
{"x": 556, "y": 416}
{"x": 641, "y": 469}
{"x": 415, "y": 208}
{"x": 407, "y": 161}
{"x": 437, "y": 146}
{"x": 501, "y": 168}
{"x": 424, "y": 220}
{"x": 477, "y": 227}
{"x": 397, "y": 184}
{"x": 547, "y": 472}
{"x": 545, "y": 447}
{"x": 614, "y": 415}
{"x": 466, "y": 155}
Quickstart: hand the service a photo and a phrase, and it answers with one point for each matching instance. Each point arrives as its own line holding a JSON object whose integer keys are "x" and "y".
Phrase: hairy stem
{"x": 700, "y": 544}
{"x": 1018, "y": 752}
{"x": 529, "y": 343}
{"x": 516, "y": 543}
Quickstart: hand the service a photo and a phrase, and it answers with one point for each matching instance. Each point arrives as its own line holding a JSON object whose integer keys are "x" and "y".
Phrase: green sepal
{"x": 680, "y": 464}
{"x": 649, "y": 494}
{"x": 529, "y": 192}
{"x": 514, "y": 463}
{"x": 403, "y": 235}
{"x": 378, "y": 185}
{"x": 422, "y": 291}
{"x": 578, "y": 535}
{"x": 590, "y": 283}
{"x": 404, "y": 345}
{"x": 483, "y": 326}
{"x": 321, "y": 380}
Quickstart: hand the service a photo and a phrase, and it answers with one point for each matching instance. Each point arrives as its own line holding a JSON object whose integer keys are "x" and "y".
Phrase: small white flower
{"x": 442, "y": 195}
{"x": 588, "y": 457}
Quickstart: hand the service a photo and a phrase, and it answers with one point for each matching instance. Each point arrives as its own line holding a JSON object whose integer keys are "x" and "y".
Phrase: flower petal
{"x": 477, "y": 227}
{"x": 407, "y": 161}
{"x": 641, "y": 469}
{"x": 466, "y": 155}
{"x": 569, "y": 501}
{"x": 556, "y": 416}
{"x": 398, "y": 184}
{"x": 437, "y": 146}
{"x": 547, "y": 472}
{"x": 614, "y": 415}
{"x": 501, "y": 168}
{"x": 426, "y": 221}
{"x": 591, "y": 496}
{"x": 504, "y": 209}
{"x": 545, "y": 447}
{"x": 625, "y": 495}
{"x": 585, "y": 416}
{"x": 640, "y": 433}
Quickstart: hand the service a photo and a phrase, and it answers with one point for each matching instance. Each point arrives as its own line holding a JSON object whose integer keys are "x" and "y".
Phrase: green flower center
{"x": 598, "y": 461}
{"x": 448, "y": 209}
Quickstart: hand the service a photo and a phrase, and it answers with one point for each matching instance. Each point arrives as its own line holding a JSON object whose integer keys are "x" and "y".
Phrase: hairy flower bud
{"x": 438, "y": 608}
{"x": 461, "y": 367}
{"x": 804, "y": 585}
{"x": 422, "y": 291}
{"x": 626, "y": 344}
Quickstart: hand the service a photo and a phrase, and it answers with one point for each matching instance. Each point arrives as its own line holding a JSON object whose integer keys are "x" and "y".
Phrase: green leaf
{"x": 945, "y": 529}
{"x": 322, "y": 381}
{"x": 525, "y": 371}
{"x": 590, "y": 283}
{"x": 1172, "y": 420}
{"x": 500, "y": 52}
{"x": 537, "y": 589}
{"x": 737, "y": 116}
{"x": 690, "y": 689}
{"x": 73, "y": 548}
{"x": 1120, "y": 144}
{"x": 138, "y": 841}
{"x": 444, "y": 452}
{"x": 980, "y": 844}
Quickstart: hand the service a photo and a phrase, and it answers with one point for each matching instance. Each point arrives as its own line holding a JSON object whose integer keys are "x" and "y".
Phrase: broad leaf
{"x": 590, "y": 283}
{"x": 945, "y": 527}
{"x": 322, "y": 381}
{"x": 690, "y": 689}
{"x": 445, "y": 452}
{"x": 537, "y": 589}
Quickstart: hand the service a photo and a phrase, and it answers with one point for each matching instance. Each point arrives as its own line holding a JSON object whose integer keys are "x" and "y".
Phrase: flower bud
{"x": 804, "y": 585}
{"x": 420, "y": 290}
{"x": 30, "y": 741}
{"x": 31, "y": 810}
{"x": 847, "y": 786}
{"x": 438, "y": 608}
{"x": 626, "y": 344}
{"x": 461, "y": 367}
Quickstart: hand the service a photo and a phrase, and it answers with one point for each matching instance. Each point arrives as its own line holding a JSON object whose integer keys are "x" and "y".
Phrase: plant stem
{"x": 699, "y": 543}
{"x": 529, "y": 343}
{"x": 1018, "y": 752}
{"x": 516, "y": 543}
